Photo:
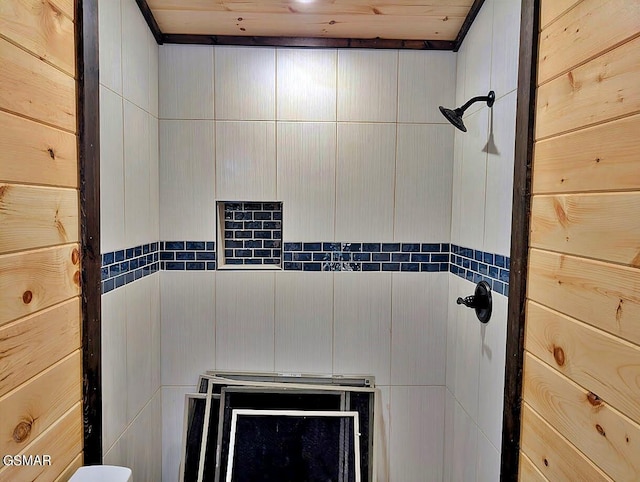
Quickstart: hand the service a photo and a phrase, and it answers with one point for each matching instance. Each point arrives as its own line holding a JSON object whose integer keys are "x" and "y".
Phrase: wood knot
{"x": 52, "y": 154}
{"x": 558, "y": 355}
{"x": 546, "y": 463}
{"x": 594, "y": 399}
{"x": 75, "y": 256}
{"x": 598, "y": 159}
{"x": 445, "y": 19}
{"x": 21, "y": 432}
{"x": 76, "y": 278}
{"x": 600, "y": 430}
{"x": 239, "y": 19}
{"x": 332, "y": 22}
{"x": 27, "y": 296}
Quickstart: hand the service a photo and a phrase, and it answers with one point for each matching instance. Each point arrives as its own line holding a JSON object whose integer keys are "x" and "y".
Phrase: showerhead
{"x": 455, "y": 116}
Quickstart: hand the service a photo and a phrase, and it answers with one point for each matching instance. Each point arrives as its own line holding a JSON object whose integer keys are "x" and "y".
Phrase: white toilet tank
{"x": 102, "y": 473}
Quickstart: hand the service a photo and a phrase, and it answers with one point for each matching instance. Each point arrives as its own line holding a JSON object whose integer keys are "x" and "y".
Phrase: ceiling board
{"x": 435, "y": 20}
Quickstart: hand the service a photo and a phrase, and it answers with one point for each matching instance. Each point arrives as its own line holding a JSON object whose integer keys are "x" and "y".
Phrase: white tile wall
{"x": 500, "y": 162}
{"x": 112, "y": 200}
{"x": 110, "y": 41}
{"x": 139, "y": 354}
{"x": 114, "y": 367}
{"x": 449, "y": 456}
{"x": 172, "y": 428}
{"x": 245, "y": 320}
{"x": 154, "y": 179}
{"x": 188, "y": 325}
{"x": 421, "y": 73}
{"x": 306, "y": 85}
{"x": 362, "y": 325}
{"x": 417, "y": 433}
{"x": 419, "y": 323}
{"x": 137, "y": 214}
{"x": 186, "y": 82}
{"x": 187, "y": 180}
{"x": 473, "y": 168}
{"x": 135, "y": 55}
{"x": 488, "y": 463}
{"x": 382, "y": 419}
{"x": 367, "y": 85}
{"x": 364, "y": 186}
{"x": 304, "y": 322}
{"x": 144, "y": 442}
{"x": 153, "y": 53}
{"x": 465, "y": 446}
{"x": 245, "y": 83}
{"x": 505, "y": 46}
{"x": 246, "y": 161}
{"x": 306, "y": 160}
{"x": 424, "y": 170}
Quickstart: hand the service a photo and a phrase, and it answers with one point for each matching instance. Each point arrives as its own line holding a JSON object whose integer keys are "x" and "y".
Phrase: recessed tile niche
{"x": 251, "y": 233}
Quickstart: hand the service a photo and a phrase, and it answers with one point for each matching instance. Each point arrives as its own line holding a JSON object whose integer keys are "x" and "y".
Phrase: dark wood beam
{"x": 525, "y": 116}
{"x": 466, "y": 25}
{"x": 88, "y": 115}
{"x": 308, "y": 42}
{"x": 151, "y": 21}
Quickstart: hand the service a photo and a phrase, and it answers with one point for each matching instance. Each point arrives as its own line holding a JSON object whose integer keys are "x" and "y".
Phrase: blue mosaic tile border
{"x": 127, "y": 265}
{"x": 187, "y": 255}
{"x": 337, "y": 256}
{"x": 475, "y": 265}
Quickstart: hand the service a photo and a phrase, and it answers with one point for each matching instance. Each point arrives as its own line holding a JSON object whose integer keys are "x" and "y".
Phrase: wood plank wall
{"x": 581, "y": 390}
{"x": 40, "y": 319}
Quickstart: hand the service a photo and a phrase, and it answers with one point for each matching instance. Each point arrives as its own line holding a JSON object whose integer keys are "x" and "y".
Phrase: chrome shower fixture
{"x": 455, "y": 116}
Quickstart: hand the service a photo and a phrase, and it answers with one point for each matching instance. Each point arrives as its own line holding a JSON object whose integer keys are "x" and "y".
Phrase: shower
{"x": 455, "y": 116}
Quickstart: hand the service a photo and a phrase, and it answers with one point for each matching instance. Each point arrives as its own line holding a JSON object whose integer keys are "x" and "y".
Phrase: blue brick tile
{"x": 322, "y": 256}
{"x": 195, "y": 266}
{"x": 493, "y": 272}
{"x": 342, "y": 256}
{"x": 272, "y": 225}
{"x": 430, "y": 267}
{"x": 445, "y": 247}
{"x": 134, "y": 264}
{"x": 410, "y": 248}
{"x": 234, "y": 261}
{"x": 205, "y": 256}
{"x": 430, "y": 247}
{"x": 252, "y": 261}
{"x": 252, "y": 206}
{"x": 483, "y": 268}
{"x": 271, "y": 206}
{"x": 229, "y": 244}
{"x": 370, "y": 266}
{"x": 331, "y": 246}
{"x": 271, "y": 261}
{"x": 253, "y": 243}
{"x": 478, "y": 255}
{"x": 467, "y": 252}
{"x": 474, "y": 266}
{"x": 107, "y": 258}
{"x": 312, "y": 266}
{"x": 232, "y": 206}
{"x": 381, "y": 257}
{"x": 239, "y": 216}
{"x": 302, "y": 256}
{"x": 262, "y": 216}
{"x": 401, "y": 257}
{"x": 498, "y": 287}
{"x": 293, "y": 266}
{"x": 211, "y": 266}
{"x": 104, "y": 273}
{"x": 128, "y": 253}
{"x": 390, "y": 266}
{"x": 469, "y": 276}
{"x": 174, "y": 245}
{"x": 108, "y": 285}
{"x": 361, "y": 256}
{"x": 351, "y": 267}
{"x": 277, "y": 235}
{"x": 211, "y": 246}
{"x": 130, "y": 277}
{"x": 352, "y": 247}
{"x": 228, "y": 235}
{"x": 272, "y": 244}
{"x": 488, "y": 258}
{"x": 114, "y": 270}
{"x": 508, "y": 263}
{"x": 228, "y": 253}
{"x": 145, "y": 248}
{"x": 243, "y": 234}
{"x": 504, "y": 276}
{"x": 277, "y": 215}
{"x": 439, "y": 258}
{"x": 154, "y": 246}
{"x": 253, "y": 225}
{"x": 243, "y": 253}
{"x": 174, "y": 265}
{"x": 138, "y": 273}
{"x": 444, "y": 267}
{"x": 312, "y": 246}
{"x": 466, "y": 263}
{"x": 288, "y": 256}
{"x": 477, "y": 277}
{"x": 196, "y": 245}
{"x": 412, "y": 267}
{"x": 262, "y": 234}
{"x": 371, "y": 247}
{"x": 389, "y": 247}
{"x": 137, "y": 251}
{"x": 262, "y": 253}
{"x": 185, "y": 256}
{"x": 120, "y": 281}
{"x": 232, "y": 225}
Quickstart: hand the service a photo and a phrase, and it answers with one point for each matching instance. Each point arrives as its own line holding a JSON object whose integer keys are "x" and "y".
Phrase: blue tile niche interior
{"x": 125, "y": 266}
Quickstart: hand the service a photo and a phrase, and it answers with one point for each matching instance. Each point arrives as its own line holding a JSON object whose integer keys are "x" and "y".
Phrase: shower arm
{"x": 489, "y": 99}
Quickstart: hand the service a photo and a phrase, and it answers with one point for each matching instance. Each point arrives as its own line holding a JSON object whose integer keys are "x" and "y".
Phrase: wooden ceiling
{"x": 439, "y": 24}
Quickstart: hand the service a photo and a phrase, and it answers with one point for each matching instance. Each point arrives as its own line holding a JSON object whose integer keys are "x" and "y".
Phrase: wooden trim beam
{"x": 151, "y": 21}
{"x": 466, "y": 25}
{"x": 525, "y": 114}
{"x": 308, "y": 42}
{"x": 89, "y": 165}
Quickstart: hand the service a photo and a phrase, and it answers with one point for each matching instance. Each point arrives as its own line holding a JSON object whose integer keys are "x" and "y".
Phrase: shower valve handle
{"x": 469, "y": 301}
